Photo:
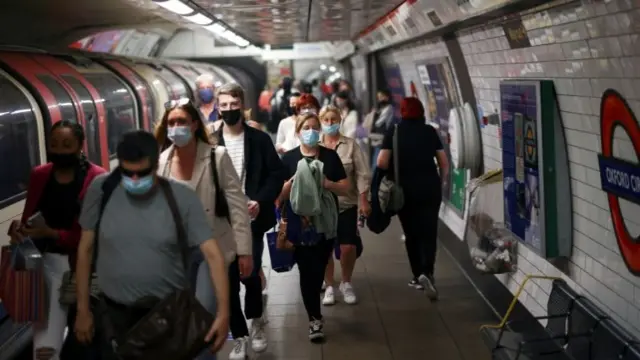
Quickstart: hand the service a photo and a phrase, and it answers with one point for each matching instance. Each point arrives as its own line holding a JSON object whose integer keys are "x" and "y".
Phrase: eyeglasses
{"x": 172, "y": 104}
{"x": 139, "y": 173}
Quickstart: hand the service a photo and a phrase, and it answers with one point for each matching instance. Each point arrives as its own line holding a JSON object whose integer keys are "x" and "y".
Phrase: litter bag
{"x": 491, "y": 245}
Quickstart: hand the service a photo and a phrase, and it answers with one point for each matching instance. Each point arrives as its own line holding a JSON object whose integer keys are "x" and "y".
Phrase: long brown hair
{"x": 201, "y": 133}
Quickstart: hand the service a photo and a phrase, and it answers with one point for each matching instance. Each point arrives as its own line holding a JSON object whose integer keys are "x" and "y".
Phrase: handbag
{"x": 176, "y": 326}
{"x": 23, "y": 292}
{"x": 221, "y": 206}
{"x": 282, "y": 242}
{"x": 281, "y": 260}
{"x": 390, "y": 193}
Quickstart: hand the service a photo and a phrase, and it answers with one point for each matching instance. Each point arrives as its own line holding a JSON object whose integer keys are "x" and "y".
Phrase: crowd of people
{"x": 211, "y": 179}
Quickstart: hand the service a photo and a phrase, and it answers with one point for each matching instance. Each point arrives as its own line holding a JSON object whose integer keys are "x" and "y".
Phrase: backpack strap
{"x": 177, "y": 218}
{"x": 108, "y": 186}
{"x": 396, "y": 165}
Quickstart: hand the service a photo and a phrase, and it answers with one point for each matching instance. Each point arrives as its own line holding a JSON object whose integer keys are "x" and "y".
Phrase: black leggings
{"x": 312, "y": 261}
{"x": 420, "y": 226}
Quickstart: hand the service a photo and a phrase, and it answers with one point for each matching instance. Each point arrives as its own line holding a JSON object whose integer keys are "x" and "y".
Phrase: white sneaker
{"x": 348, "y": 295}
{"x": 329, "y": 297}
{"x": 258, "y": 335}
{"x": 239, "y": 351}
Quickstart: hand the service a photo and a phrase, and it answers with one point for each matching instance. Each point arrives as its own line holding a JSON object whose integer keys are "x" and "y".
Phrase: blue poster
{"x": 393, "y": 76}
{"x": 520, "y": 105}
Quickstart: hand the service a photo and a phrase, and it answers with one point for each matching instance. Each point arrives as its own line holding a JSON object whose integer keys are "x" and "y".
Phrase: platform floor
{"x": 391, "y": 320}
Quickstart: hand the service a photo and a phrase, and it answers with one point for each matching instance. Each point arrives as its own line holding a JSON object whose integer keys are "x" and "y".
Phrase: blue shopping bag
{"x": 281, "y": 260}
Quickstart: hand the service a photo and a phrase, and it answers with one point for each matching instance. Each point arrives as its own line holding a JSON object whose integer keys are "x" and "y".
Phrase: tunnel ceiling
{"x": 57, "y": 23}
{"x": 284, "y": 22}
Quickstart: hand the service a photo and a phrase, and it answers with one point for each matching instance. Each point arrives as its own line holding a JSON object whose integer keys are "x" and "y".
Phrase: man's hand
{"x": 245, "y": 264}
{"x": 83, "y": 327}
{"x": 254, "y": 208}
{"x": 218, "y": 333}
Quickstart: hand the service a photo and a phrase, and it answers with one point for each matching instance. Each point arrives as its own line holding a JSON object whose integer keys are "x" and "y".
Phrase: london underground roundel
{"x": 620, "y": 178}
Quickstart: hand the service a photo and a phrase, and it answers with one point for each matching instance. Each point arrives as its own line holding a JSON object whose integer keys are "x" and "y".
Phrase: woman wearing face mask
{"x": 312, "y": 259}
{"x": 348, "y": 113}
{"x": 352, "y": 206}
{"x": 189, "y": 158}
{"x": 50, "y": 219}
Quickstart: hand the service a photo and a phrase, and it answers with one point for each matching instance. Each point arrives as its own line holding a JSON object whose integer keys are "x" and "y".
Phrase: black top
{"x": 333, "y": 168}
{"x": 417, "y": 146}
{"x": 264, "y": 174}
{"x": 59, "y": 206}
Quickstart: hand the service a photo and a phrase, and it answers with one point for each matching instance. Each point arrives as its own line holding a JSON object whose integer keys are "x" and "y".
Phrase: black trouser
{"x": 115, "y": 320}
{"x": 312, "y": 262}
{"x": 72, "y": 349}
{"x": 420, "y": 224}
{"x": 253, "y": 291}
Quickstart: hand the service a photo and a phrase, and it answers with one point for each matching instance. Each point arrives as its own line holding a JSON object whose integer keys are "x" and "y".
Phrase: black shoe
{"x": 316, "y": 333}
{"x": 429, "y": 285}
{"x": 414, "y": 283}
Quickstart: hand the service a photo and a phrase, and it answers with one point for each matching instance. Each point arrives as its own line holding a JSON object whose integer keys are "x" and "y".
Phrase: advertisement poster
{"x": 105, "y": 42}
{"x": 440, "y": 88}
{"x": 393, "y": 76}
{"x": 520, "y": 107}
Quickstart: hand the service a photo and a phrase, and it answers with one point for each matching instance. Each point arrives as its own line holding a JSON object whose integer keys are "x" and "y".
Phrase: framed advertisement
{"x": 442, "y": 95}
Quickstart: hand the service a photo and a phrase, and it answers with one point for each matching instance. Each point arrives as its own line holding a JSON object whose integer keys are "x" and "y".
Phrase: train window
{"x": 119, "y": 105}
{"x": 91, "y": 121}
{"x": 176, "y": 86}
{"x": 19, "y": 147}
{"x": 62, "y": 97}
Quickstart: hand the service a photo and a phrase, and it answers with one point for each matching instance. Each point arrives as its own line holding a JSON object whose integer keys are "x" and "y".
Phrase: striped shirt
{"x": 235, "y": 148}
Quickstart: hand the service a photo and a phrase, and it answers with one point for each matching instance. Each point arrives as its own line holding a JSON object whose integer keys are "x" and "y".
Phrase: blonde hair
{"x": 301, "y": 119}
{"x": 329, "y": 109}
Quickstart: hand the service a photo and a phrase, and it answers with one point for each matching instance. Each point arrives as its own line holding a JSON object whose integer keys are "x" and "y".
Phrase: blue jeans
{"x": 205, "y": 293}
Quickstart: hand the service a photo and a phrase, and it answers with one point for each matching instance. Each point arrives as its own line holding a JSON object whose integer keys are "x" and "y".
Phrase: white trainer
{"x": 258, "y": 335}
{"x": 329, "y": 296}
{"x": 348, "y": 295}
{"x": 239, "y": 351}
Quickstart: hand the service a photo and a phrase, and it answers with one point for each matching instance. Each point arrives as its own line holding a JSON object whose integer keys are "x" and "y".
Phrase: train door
{"x": 56, "y": 106}
{"x": 93, "y": 111}
{"x": 22, "y": 145}
{"x": 143, "y": 92}
{"x": 187, "y": 75}
{"x": 177, "y": 85}
{"x": 161, "y": 90}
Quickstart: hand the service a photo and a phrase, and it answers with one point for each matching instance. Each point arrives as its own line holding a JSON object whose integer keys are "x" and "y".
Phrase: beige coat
{"x": 234, "y": 238}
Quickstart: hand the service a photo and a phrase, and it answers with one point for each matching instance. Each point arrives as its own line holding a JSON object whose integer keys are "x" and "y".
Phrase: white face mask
{"x": 179, "y": 135}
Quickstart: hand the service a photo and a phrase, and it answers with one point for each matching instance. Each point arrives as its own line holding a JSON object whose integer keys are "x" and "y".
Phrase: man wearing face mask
{"x": 206, "y": 97}
{"x": 127, "y": 214}
{"x": 262, "y": 174}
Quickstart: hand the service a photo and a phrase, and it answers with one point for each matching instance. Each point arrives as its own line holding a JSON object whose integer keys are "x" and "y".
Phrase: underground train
{"x": 108, "y": 95}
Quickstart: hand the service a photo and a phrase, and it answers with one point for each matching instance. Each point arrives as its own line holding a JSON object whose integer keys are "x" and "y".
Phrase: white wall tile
{"x": 585, "y": 49}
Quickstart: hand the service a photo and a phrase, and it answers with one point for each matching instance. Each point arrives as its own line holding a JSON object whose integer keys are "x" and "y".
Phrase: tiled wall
{"x": 585, "y": 49}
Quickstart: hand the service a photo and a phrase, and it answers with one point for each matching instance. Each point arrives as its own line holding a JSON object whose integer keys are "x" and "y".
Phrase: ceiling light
{"x": 199, "y": 19}
{"x": 323, "y": 67}
{"x": 267, "y": 47}
{"x": 176, "y": 6}
{"x": 332, "y": 68}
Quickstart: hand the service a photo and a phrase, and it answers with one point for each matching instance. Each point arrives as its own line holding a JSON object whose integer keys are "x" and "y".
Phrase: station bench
{"x": 576, "y": 329}
{"x": 14, "y": 338}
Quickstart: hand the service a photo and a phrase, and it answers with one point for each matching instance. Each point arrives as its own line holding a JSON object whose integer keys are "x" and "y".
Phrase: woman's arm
{"x": 443, "y": 164}
{"x": 238, "y": 212}
{"x": 340, "y": 188}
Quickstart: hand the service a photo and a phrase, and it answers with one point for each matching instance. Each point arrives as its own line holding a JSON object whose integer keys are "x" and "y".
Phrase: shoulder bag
{"x": 221, "y": 206}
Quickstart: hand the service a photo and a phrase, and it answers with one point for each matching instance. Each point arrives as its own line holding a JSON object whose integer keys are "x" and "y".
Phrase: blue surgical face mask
{"x": 138, "y": 186}
{"x": 310, "y": 137}
{"x": 206, "y": 95}
{"x": 180, "y": 135}
{"x": 331, "y": 129}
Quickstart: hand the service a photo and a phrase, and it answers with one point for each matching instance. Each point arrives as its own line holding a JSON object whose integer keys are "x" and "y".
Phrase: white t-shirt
{"x": 286, "y": 135}
{"x": 235, "y": 149}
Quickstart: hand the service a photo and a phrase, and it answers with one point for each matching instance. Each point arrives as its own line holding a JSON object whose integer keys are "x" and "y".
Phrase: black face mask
{"x": 63, "y": 161}
{"x": 383, "y": 103}
{"x": 231, "y": 117}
